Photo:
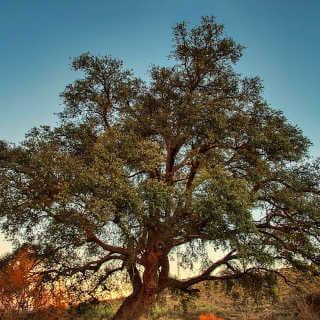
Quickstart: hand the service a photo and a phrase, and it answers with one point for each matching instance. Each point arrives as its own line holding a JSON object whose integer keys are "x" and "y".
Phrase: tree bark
{"x": 144, "y": 293}
{"x": 136, "y": 305}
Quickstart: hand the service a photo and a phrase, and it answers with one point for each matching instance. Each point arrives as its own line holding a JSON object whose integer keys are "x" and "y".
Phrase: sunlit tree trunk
{"x": 137, "y": 304}
{"x": 144, "y": 292}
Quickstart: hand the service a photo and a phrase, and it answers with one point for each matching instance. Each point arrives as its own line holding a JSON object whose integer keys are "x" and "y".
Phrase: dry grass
{"x": 301, "y": 302}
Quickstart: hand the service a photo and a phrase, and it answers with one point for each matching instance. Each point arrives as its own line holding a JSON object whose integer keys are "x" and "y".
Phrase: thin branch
{"x": 105, "y": 276}
{"x": 93, "y": 266}
{"x": 135, "y": 174}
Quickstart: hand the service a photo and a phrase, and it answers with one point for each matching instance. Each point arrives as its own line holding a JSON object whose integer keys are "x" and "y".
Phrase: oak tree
{"x": 194, "y": 158}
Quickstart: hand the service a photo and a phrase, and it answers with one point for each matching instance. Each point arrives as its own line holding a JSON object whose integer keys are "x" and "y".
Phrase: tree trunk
{"x": 136, "y": 305}
{"x": 144, "y": 293}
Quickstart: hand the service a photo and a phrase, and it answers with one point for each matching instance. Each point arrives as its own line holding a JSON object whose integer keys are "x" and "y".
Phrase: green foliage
{"x": 260, "y": 287}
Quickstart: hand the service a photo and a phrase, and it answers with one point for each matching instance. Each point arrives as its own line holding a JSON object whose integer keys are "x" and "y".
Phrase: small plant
{"x": 209, "y": 316}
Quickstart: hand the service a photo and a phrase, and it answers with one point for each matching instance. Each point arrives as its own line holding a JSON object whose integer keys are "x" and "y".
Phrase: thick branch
{"x": 193, "y": 171}
{"x": 135, "y": 278}
{"x": 163, "y": 276}
{"x": 184, "y": 284}
{"x": 93, "y": 238}
{"x": 171, "y": 154}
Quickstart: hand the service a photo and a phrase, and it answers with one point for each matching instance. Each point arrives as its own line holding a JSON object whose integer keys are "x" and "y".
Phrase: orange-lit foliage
{"x": 208, "y": 317}
{"x": 22, "y": 289}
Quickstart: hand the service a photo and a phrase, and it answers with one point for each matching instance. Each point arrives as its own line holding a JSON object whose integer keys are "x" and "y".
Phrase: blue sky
{"x": 39, "y": 37}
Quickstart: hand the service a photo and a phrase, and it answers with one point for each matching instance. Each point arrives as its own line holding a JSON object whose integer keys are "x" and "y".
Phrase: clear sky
{"x": 37, "y": 39}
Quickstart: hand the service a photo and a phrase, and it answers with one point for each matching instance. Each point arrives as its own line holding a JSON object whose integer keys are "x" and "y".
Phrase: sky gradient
{"x": 39, "y": 37}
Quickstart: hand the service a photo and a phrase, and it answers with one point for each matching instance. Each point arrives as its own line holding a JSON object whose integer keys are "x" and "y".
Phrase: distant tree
{"x": 193, "y": 159}
{"x": 18, "y": 287}
{"x": 22, "y": 290}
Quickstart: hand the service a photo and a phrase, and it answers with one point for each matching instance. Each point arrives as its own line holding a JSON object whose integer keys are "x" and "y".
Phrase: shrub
{"x": 209, "y": 316}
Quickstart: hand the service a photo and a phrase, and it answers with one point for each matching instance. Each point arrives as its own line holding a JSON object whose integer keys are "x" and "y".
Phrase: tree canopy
{"x": 194, "y": 158}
